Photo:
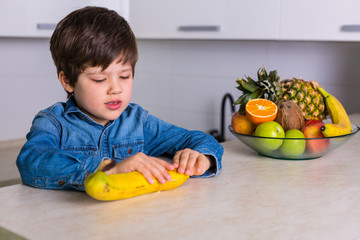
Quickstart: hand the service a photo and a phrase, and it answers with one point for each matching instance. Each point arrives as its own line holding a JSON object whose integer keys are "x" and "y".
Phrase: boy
{"x": 95, "y": 53}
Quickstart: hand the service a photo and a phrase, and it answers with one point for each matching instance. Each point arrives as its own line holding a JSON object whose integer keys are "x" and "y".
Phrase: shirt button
{"x": 61, "y": 182}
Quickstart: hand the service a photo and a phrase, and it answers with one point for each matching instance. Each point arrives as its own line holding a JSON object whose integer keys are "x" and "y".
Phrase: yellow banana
{"x": 340, "y": 120}
{"x": 108, "y": 187}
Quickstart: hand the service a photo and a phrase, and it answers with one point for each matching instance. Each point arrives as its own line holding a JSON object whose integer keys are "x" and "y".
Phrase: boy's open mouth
{"x": 113, "y": 105}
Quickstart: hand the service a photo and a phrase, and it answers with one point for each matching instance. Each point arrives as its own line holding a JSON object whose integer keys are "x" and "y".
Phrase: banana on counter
{"x": 108, "y": 187}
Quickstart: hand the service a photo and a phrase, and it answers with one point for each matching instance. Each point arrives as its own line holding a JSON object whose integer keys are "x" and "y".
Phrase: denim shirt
{"x": 65, "y": 145}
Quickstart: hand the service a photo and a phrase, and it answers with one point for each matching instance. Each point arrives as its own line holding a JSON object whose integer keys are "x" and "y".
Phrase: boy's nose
{"x": 115, "y": 86}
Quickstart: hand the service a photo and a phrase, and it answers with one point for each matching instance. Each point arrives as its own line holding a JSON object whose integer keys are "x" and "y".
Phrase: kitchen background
{"x": 181, "y": 76}
{"x": 183, "y": 71}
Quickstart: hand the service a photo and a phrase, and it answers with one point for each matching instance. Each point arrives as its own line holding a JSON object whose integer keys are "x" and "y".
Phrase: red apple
{"x": 312, "y": 130}
{"x": 311, "y": 121}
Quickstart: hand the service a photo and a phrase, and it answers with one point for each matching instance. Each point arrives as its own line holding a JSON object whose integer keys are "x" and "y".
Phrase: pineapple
{"x": 270, "y": 87}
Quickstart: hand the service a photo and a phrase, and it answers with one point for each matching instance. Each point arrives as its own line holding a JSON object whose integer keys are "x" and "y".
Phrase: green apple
{"x": 271, "y": 130}
{"x": 293, "y": 147}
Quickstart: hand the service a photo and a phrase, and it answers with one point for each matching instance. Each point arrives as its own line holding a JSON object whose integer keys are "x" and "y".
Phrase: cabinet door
{"x": 38, "y": 18}
{"x": 205, "y": 19}
{"x": 327, "y": 20}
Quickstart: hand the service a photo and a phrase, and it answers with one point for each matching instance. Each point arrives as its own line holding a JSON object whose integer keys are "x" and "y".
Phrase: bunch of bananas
{"x": 341, "y": 124}
{"x": 108, "y": 187}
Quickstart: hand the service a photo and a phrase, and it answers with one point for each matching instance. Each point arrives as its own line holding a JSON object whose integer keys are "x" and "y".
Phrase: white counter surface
{"x": 254, "y": 197}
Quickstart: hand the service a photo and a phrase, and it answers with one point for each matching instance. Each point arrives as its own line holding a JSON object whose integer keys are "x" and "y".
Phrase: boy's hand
{"x": 191, "y": 162}
{"x": 148, "y": 166}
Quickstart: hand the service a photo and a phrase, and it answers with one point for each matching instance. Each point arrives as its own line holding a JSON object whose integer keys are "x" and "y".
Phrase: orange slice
{"x": 261, "y": 110}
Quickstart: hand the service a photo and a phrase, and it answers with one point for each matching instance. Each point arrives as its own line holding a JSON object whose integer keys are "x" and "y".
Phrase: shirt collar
{"x": 71, "y": 107}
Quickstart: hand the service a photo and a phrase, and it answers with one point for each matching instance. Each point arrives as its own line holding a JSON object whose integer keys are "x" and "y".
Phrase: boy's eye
{"x": 98, "y": 80}
{"x": 124, "y": 77}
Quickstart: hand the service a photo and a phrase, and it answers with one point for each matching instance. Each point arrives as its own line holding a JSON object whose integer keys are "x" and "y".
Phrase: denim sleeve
{"x": 43, "y": 164}
{"x": 165, "y": 138}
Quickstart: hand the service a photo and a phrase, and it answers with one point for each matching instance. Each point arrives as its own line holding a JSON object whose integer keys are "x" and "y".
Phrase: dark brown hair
{"x": 89, "y": 37}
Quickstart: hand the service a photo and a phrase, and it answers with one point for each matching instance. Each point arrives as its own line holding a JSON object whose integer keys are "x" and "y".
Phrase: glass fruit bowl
{"x": 295, "y": 148}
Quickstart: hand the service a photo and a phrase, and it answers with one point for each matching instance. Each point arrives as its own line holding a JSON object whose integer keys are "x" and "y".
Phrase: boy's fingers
{"x": 183, "y": 159}
{"x": 158, "y": 175}
{"x": 176, "y": 159}
{"x": 149, "y": 167}
{"x": 163, "y": 166}
{"x": 167, "y": 165}
{"x": 154, "y": 168}
{"x": 202, "y": 165}
{"x": 148, "y": 176}
{"x": 159, "y": 170}
{"x": 192, "y": 158}
{"x": 191, "y": 162}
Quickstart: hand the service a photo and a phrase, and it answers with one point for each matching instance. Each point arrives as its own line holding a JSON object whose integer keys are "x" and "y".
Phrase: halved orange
{"x": 260, "y": 110}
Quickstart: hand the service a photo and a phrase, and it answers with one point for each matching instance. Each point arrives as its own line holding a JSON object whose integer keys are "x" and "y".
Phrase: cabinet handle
{"x": 350, "y": 28}
{"x": 210, "y": 28}
{"x": 46, "y": 26}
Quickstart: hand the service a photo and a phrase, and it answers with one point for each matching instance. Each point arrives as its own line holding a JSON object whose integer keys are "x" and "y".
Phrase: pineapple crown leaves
{"x": 268, "y": 87}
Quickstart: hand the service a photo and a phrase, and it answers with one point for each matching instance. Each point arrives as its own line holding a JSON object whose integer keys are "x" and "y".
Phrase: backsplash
{"x": 183, "y": 82}
{"x": 180, "y": 81}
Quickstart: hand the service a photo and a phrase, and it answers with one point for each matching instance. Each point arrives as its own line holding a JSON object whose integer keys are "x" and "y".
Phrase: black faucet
{"x": 215, "y": 133}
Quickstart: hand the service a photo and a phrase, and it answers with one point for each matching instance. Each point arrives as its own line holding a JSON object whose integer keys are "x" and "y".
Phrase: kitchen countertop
{"x": 254, "y": 197}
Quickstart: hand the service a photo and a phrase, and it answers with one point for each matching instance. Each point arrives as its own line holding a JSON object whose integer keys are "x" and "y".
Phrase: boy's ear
{"x": 65, "y": 82}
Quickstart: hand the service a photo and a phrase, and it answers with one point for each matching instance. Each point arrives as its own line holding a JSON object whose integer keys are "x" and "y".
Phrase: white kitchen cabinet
{"x": 38, "y": 18}
{"x": 204, "y": 19}
{"x": 320, "y": 20}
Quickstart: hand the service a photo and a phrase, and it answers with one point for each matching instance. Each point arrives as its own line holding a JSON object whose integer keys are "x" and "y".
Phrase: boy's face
{"x": 104, "y": 95}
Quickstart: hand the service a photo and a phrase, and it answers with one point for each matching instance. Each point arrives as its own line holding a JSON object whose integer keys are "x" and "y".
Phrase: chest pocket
{"x": 127, "y": 149}
{"x": 85, "y": 150}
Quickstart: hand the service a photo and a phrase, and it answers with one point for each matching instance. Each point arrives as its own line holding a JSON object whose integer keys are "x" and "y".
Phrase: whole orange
{"x": 241, "y": 123}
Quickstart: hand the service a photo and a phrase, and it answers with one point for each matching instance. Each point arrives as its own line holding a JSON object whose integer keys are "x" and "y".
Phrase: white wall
{"x": 182, "y": 82}
{"x": 28, "y": 84}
